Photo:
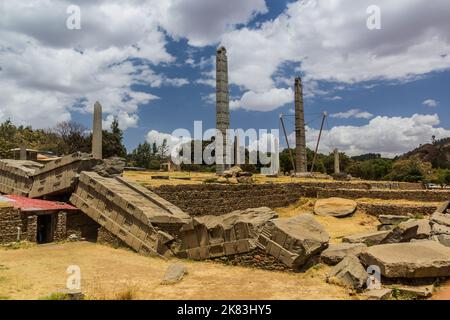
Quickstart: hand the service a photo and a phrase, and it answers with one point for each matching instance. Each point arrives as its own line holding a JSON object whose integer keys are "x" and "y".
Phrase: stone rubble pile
{"x": 409, "y": 249}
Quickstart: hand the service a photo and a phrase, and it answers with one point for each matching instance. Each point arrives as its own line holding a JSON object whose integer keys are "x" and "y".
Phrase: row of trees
{"x": 149, "y": 156}
{"x": 375, "y": 167}
{"x": 64, "y": 138}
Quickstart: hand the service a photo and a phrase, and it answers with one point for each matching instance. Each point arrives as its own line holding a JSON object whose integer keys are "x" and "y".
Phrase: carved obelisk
{"x": 300, "y": 136}
{"x": 222, "y": 106}
{"x": 97, "y": 132}
{"x": 337, "y": 167}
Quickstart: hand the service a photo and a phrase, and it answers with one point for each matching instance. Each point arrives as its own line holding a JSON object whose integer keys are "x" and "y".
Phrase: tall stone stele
{"x": 97, "y": 133}
{"x": 222, "y": 104}
{"x": 337, "y": 167}
{"x": 300, "y": 136}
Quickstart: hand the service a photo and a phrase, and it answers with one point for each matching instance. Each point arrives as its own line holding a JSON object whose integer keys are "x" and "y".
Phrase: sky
{"x": 151, "y": 64}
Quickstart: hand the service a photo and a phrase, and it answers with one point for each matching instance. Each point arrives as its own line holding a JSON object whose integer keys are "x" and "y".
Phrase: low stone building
{"x": 34, "y": 220}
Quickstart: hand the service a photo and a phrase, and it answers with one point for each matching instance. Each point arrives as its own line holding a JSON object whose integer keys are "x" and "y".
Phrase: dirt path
{"x": 107, "y": 272}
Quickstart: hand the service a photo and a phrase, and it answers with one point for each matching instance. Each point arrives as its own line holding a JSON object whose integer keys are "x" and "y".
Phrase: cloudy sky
{"x": 151, "y": 64}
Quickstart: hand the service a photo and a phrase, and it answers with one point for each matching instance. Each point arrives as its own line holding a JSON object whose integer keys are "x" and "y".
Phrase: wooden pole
{"x": 287, "y": 142}
{"x": 318, "y": 141}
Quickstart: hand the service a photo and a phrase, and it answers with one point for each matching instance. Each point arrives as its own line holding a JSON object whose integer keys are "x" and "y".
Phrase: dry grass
{"x": 109, "y": 273}
{"x": 337, "y": 228}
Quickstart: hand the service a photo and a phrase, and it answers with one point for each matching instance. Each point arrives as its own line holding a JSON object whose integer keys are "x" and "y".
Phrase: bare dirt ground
{"x": 109, "y": 273}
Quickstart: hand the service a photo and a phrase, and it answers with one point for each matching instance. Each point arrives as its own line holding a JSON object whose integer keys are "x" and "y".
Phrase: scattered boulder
{"x": 369, "y": 238}
{"x": 439, "y": 229}
{"x": 440, "y": 218}
{"x": 420, "y": 259}
{"x": 415, "y": 292}
{"x": 337, "y": 252}
{"x": 222, "y": 180}
{"x": 174, "y": 274}
{"x": 386, "y": 227}
{"x": 335, "y": 207}
{"x": 110, "y": 168}
{"x": 443, "y": 239}
{"x": 349, "y": 273}
{"x": 294, "y": 241}
{"x": 411, "y": 229}
{"x": 73, "y": 237}
{"x": 245, "y": 179}
{"x": 393, "y": 219}
{"x": 378, "y": 294}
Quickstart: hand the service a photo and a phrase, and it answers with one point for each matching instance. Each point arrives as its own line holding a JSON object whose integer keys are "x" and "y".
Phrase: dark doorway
{"x": 44, "y": 229}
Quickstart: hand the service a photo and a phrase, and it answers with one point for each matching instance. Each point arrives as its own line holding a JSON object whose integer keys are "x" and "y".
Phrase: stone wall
{"x": 106, "y": 237}
{"x": 377, "y": 209}
{"x": 10, "y": 220}
{"x": 60, "y": 227}
{"x": 31, "y": 227}
{"x": 217, "y": 199}
{"x": 413, "y": 195}
{"x": 81, "y": 225}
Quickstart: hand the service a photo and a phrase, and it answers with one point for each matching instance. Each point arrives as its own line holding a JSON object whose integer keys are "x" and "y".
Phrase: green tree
{"x": 410, "y": 170}
{"x": 142, "y": 155}
{"x": 113, "y": 142}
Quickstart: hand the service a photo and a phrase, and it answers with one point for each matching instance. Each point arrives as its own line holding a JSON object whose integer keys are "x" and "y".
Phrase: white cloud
{"x": 430, "y": 103}
{"x": 264, "y": 101}
{"x": 203, "y": 22}
{"x": 48, "y": 71}
{"x": 389, "y": 136}
{"x": 330, "y": 40}
{"x": 353, "y": 113}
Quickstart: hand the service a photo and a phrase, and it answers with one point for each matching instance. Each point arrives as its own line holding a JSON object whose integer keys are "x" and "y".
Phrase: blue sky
{"x": 151, "y": 64}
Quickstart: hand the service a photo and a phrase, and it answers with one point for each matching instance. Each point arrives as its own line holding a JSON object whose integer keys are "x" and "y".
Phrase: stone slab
{"x": 420, "y": 259}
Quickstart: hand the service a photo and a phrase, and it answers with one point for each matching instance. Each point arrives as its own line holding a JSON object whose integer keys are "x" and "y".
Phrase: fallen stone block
{"x": 386, "y": 227}
{"x": 411, "y": 229}
{"x": 349, "y": 273}
{"x": 216, "y": 236}
{"x": 174, "y": 273}
{"x": 378, "y": 294}
{"x": 369, "y": 238}
{"x": 16, "y": 176}
{"x": 294, "y": 241}
{"x": 61, "y": 175}
{"x": 136, "y": 216}
{"x": 335, "y": 207}
{"x": 438, "y": 229}
{"x": 393, "y": 219}
{"x": 440, "y": 218}
{"x": 422, "y": 259}
{"x": 443, "y": 208}
{"x": 443, "y": 239}
{"x": 335, "y": 253}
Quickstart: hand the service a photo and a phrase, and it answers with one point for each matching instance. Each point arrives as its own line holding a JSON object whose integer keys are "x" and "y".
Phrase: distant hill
{"x": 438, "y": 153}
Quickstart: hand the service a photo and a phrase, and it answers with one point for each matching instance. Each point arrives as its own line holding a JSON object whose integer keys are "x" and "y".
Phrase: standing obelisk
{"x": 337, "y": 167}
{"x": 222, "y": 105}
{"x": 300, "y": 137}
{"x": 97, "y": 132}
